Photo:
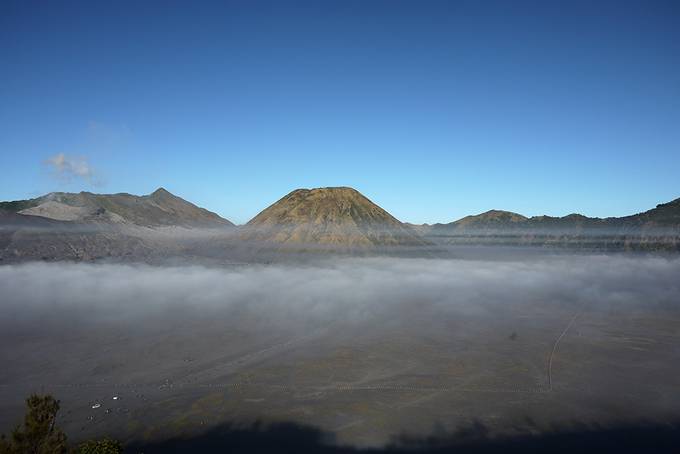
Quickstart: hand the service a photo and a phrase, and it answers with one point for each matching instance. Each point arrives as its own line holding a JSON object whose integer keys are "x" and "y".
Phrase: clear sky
{"x": 434, "y": 110}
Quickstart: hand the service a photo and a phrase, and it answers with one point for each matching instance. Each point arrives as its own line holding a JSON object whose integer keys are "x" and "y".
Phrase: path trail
{"x": 557, "y": 343}
{"x": 201, "y": 379}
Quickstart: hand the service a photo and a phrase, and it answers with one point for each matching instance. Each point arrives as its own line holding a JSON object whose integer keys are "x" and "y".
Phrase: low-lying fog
{"x": 364, "y": 348}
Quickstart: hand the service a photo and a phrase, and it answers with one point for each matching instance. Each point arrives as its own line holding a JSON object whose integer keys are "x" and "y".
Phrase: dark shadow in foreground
{"x": 293, "y": 438}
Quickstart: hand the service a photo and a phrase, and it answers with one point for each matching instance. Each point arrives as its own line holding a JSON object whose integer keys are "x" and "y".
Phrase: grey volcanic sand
{"x": 366, "y": 349}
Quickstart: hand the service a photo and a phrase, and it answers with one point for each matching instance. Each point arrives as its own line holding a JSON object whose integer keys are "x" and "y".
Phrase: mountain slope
{"x": 329, "y": 216}
{"x": 655, "y": 229}
{"x": 24, "y": 238}
{"x": 493, "y": 219}
{"x": 157, "y": 209}
{"x": 665, "y": 217}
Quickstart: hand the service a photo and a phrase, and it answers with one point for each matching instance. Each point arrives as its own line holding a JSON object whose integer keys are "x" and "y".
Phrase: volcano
{"x": 339, "y": 216}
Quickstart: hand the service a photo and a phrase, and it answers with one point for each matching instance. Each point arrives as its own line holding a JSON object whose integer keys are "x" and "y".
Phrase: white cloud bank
{"x": 350, "y": 288}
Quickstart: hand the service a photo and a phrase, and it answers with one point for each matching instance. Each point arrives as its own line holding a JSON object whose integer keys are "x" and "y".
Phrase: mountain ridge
{"x": 158, "y": 209}
{"x": 663, "y": 216}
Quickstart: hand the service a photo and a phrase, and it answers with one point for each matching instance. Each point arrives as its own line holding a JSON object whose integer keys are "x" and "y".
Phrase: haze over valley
{"x": 161, "y": 319}
{"x": 161, "y": 226}
{"x": 340, "y": 227}
{"x": 365, "y": 349}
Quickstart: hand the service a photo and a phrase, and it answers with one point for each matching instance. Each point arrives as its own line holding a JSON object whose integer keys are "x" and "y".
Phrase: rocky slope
{"x": 329, "y": 216}
{"x": 86, "y": 226}
{"x": 24, "y": 237}
{"x": 157, "y": 209}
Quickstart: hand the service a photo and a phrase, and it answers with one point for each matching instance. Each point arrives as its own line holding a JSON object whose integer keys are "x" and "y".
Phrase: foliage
{"x": 39, "y": 434}
{"x": 17, "y": 205}
{"x": 104, "y": 446}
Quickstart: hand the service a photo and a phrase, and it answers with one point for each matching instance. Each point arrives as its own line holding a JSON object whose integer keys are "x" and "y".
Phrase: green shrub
{"x": 104, "y": 446}
{"x": 39, "y": 434}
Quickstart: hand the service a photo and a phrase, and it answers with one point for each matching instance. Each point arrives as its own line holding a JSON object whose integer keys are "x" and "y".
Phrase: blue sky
{"x": 434, "y": 110}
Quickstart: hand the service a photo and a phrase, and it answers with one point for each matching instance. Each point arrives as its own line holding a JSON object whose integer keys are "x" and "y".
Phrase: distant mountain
{"x": 665, "y": 218}
{"x": 656, "y": 229}
{"x": 490, "y": 220}
{"x": 124, "y": 227}
{"x": 329, "y": 216}
{"x": 421, "y": 229}
{"x": 158, "y": 209}
{"x": 86, "y": 226}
